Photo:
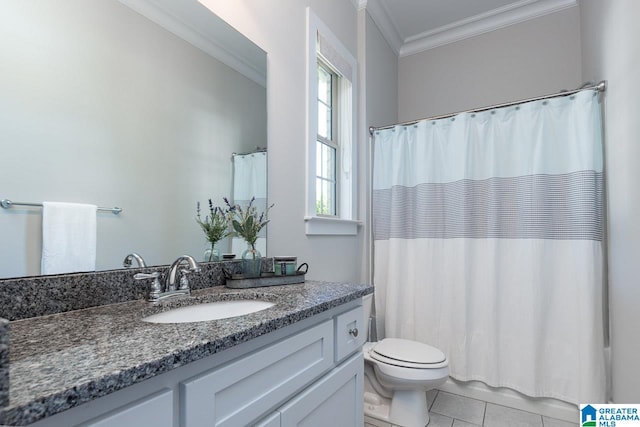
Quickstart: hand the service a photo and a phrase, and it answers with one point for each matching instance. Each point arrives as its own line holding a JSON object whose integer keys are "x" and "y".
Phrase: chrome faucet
{"x": 170, "y": 280}
{"x": 128, "y": 260}
{"x": 158, "y": 292}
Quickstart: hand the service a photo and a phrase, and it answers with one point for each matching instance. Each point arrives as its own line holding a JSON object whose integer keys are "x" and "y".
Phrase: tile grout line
{"x": 484, "y": 413}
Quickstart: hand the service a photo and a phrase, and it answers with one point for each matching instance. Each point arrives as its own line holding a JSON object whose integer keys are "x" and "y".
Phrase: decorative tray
{"x": 238, "y": 281}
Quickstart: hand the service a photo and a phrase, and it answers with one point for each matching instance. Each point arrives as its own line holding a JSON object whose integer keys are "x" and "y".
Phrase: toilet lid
{"x": 407, "y": 351}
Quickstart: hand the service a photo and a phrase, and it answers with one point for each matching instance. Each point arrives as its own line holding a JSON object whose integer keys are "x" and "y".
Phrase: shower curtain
{"x": 250, "y": 180}
{"x": 488, "y": 244}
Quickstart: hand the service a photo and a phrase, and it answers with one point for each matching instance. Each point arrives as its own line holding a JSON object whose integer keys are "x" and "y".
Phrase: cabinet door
{"x": 153, "y": 411}
{"x": 334, "y": 400}
{"x": 252, "y": 386}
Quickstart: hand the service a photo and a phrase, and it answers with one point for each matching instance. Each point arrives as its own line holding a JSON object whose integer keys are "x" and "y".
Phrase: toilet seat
{"x": 408, "y": 354}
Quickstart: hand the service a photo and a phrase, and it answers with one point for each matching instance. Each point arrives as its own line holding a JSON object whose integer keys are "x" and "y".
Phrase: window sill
{"x": 318, "y": 226}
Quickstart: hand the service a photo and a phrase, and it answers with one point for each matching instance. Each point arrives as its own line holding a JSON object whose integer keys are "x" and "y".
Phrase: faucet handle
{"x": 155, "y": 288}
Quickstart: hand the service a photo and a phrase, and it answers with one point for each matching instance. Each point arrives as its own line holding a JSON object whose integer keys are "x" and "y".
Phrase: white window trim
{"x": 325, "y": 225}
{"x": 345, "y": 223}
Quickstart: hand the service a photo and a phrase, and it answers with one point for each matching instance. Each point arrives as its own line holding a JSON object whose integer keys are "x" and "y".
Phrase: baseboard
{"x": 506, "y": 397}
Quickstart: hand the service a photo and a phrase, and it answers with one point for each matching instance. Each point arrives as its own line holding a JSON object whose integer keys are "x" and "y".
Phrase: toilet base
{"x": 376, "y": 406}
{"x": 408, "y": 408}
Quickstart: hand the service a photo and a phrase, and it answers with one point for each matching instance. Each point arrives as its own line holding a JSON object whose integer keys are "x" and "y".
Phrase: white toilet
{"x": 398, "y": 373}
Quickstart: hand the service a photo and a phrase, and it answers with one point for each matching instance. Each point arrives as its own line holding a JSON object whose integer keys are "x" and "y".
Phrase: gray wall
{"x": 99, "y": 105}
{"x": 382, "y": 78}
{"x": 611, "y": 51}
{"x": 529, "y": 59}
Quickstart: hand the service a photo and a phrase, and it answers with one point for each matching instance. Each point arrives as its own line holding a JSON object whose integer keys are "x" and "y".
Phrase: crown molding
{"x": 483, "y": 23}
{"x": 514, "y": 13}
{"x": 382, "y": 18}
{"x": 187, "y": 22}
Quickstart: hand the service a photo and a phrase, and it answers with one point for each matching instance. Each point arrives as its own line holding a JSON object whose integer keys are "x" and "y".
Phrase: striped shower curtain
{"x": 488, "y": 244}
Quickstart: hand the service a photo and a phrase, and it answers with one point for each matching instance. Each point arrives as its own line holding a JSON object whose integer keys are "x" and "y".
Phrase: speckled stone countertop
{"x": 61, "y": 360}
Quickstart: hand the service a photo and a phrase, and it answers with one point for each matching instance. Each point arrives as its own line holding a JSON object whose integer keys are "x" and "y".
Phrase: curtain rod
{"x": 256, "y": 151}
{"x": 600, "y": 87}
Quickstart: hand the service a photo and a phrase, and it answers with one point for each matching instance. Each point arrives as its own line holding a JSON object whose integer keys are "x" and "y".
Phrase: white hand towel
{"x": 68, "y": 237}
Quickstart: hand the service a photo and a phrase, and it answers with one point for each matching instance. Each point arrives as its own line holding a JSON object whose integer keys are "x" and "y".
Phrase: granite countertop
{"x": 61, "y": 360}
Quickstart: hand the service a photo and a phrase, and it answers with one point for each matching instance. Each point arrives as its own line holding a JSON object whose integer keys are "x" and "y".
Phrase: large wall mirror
{"x": 139, "y": 104}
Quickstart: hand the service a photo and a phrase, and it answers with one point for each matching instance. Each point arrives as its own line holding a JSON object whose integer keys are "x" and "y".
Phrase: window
{"x": 331, "y": 131}
{"x": 327, "y": 143}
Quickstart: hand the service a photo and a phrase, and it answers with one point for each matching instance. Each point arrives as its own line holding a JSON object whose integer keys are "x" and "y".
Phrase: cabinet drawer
{"x": 350, "y": 332}
{"x": 241, "y": 392}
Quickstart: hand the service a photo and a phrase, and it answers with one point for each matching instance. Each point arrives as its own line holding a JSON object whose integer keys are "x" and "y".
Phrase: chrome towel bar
{"x": 6, "y": 203}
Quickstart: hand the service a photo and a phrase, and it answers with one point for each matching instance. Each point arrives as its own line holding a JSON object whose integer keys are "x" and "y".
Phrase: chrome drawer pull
{"x": 353, "y": 332}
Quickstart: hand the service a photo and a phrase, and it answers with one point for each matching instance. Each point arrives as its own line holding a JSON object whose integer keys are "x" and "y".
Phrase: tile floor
{"x": 452, "y": 410}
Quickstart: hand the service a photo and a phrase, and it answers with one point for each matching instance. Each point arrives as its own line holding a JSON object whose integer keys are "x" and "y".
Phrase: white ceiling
{"x": 412, "y": 26}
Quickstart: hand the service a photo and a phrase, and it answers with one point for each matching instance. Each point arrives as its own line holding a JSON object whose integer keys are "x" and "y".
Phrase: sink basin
{"x": 209, "y": 311}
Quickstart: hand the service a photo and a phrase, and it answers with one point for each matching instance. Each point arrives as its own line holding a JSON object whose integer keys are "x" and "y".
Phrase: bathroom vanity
{"x": 298, "y": 361}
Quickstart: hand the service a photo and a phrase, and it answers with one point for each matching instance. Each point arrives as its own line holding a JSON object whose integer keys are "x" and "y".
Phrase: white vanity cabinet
{"x": 309, "y": 374}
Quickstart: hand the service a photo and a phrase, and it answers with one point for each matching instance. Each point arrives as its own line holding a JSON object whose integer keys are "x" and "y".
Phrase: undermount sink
{"x": 209, "y": 311}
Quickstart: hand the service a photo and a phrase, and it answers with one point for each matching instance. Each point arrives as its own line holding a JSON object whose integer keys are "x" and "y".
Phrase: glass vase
{"x": 211, "y": 253}
{"x": 251, "y": 262}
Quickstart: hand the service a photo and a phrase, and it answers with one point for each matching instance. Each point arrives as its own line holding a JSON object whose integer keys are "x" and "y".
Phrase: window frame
{"x": 344, "y": 222}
